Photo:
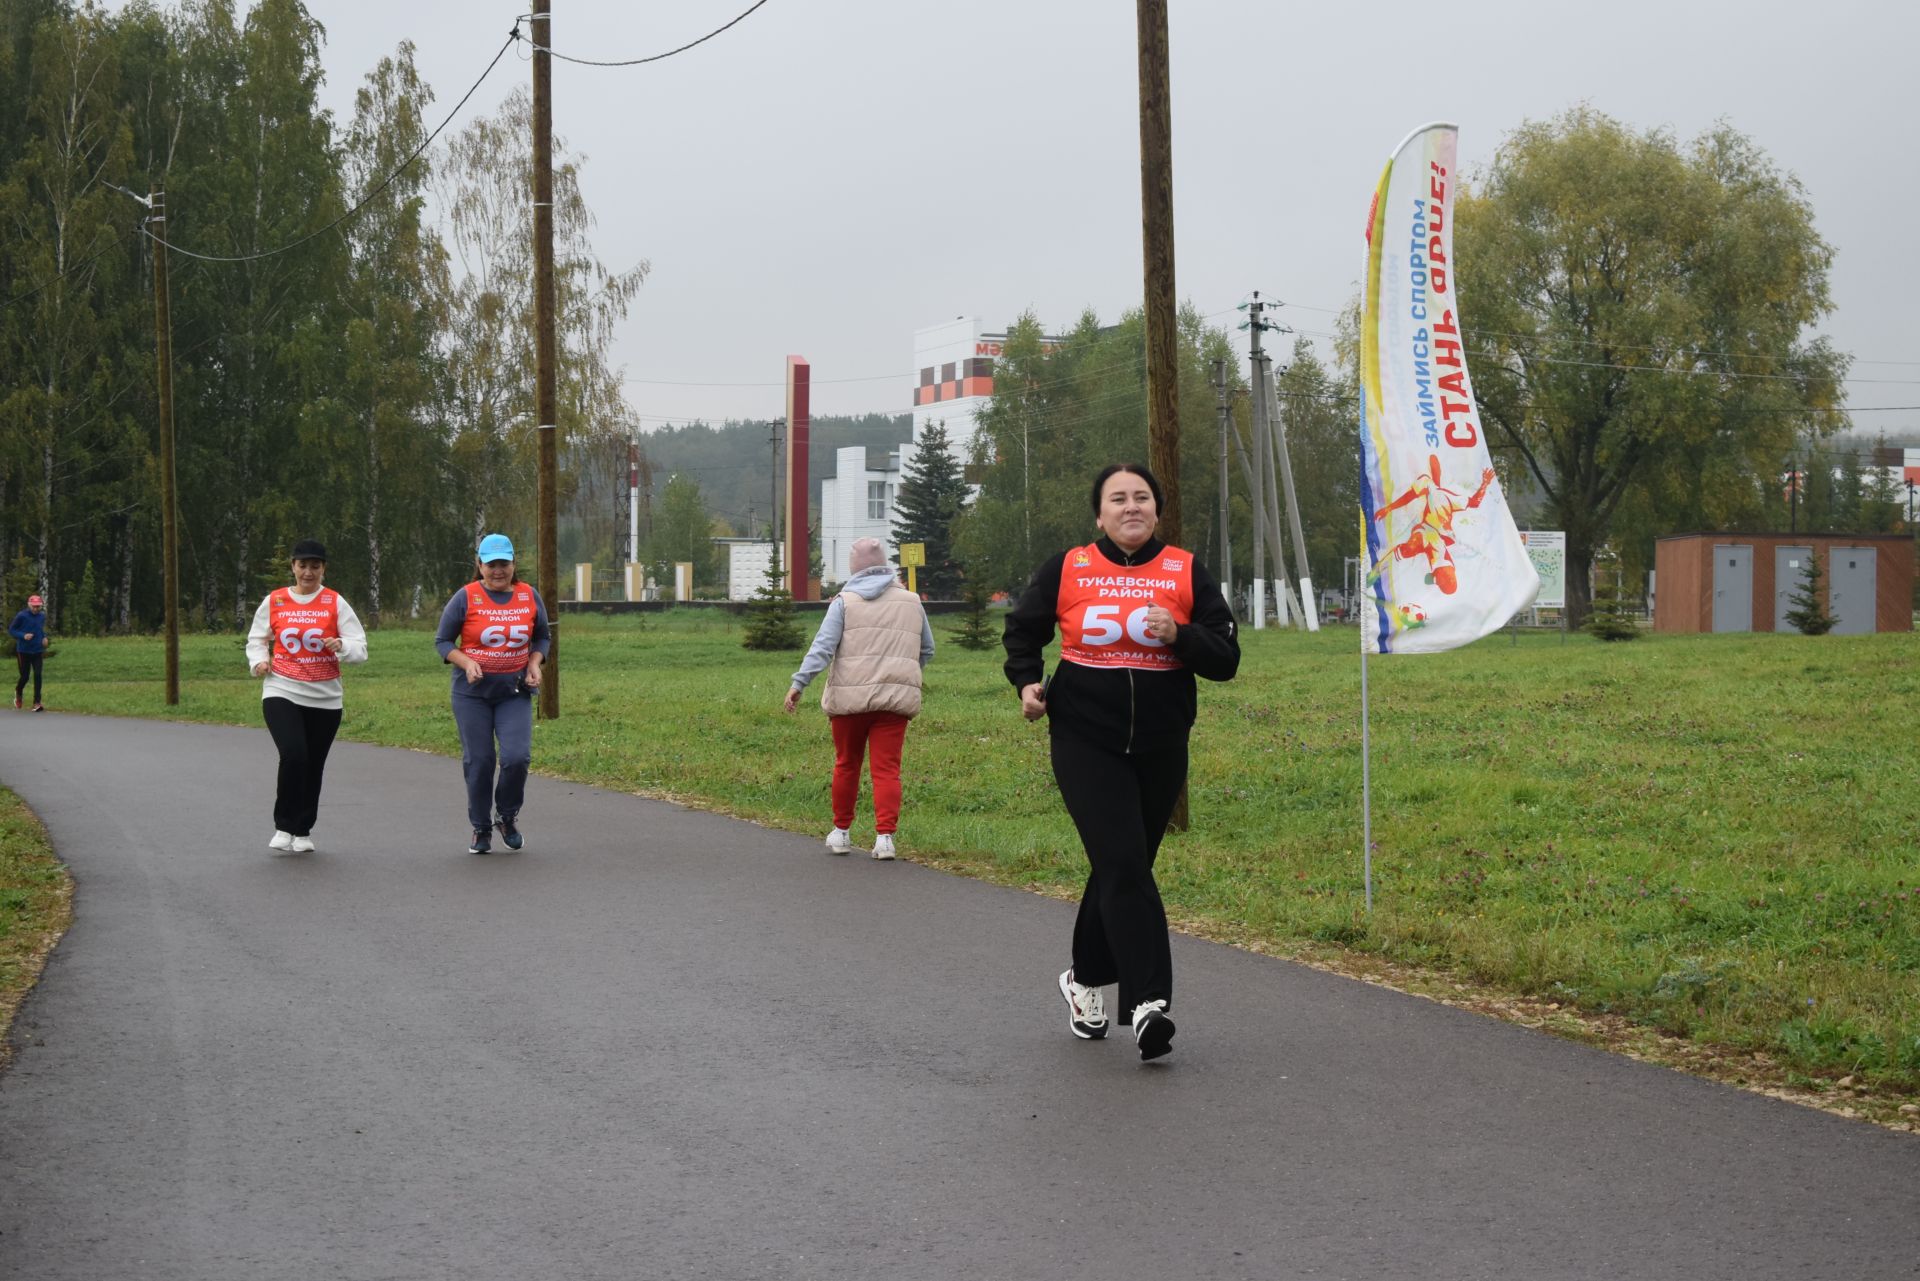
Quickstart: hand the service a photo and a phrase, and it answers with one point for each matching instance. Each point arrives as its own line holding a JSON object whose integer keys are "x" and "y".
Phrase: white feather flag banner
{"x": 1445, "y": 563}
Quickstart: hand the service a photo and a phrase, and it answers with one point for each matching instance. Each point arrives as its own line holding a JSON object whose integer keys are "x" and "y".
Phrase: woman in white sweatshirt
{"x": 300, "y": 636}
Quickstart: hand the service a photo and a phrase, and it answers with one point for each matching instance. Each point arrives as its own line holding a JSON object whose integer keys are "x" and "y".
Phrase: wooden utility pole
{"x": 1156, "y": 216}
{"x": 1156, "y": 233}
{"x": 545, "y": 395}
{"x": 169, "y": 524}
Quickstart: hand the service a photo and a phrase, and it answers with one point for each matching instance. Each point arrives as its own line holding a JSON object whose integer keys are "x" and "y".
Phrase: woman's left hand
{"x": 532, "y": 678}
{"x": 334, "y": 645}
{"x": 1161, "y": 625}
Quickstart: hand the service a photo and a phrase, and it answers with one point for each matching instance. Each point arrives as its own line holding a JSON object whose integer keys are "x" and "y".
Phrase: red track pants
{"x": 878, "y": 736}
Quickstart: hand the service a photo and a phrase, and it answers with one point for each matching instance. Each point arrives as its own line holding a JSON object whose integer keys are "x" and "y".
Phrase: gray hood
{"x": 872, "y": 582}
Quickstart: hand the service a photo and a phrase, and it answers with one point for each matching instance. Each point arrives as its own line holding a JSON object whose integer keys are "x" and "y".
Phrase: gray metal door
{"x": 1853, "y": 574}
{"x": 1732, "y": 589}
{"x": 1789, "y": 575}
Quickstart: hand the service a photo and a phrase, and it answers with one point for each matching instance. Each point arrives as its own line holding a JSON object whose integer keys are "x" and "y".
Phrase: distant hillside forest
{"x": 730, "y": 463}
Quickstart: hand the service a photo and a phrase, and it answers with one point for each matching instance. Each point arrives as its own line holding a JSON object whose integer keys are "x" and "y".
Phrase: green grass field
{"x": 36, "y": 904}
{"x": 1715, "y": 837}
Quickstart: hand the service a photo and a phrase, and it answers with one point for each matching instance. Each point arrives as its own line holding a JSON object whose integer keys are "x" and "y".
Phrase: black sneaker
{"x": 482, "y": 842}
{"x": 1152, "y": 1029}
{"x": 510, "y": 832}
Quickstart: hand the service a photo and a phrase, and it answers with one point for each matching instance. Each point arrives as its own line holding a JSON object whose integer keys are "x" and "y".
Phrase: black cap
{"x": 308, "y": 549}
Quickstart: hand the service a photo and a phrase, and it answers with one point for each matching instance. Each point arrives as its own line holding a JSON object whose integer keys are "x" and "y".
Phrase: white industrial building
{"x": 954, "y": 363}
{"x": 747, "y": 560}
{"x": 856, "y": 502}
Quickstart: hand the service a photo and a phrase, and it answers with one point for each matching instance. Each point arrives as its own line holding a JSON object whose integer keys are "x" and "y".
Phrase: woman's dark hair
{"x": 1135, "y": 469}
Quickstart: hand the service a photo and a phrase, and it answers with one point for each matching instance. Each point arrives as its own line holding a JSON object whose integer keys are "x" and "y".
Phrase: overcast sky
{"x": 830, "y": 175}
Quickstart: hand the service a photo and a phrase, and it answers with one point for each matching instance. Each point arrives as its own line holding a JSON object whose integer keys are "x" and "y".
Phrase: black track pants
{"x": 1121, "y": 803}
{"x": 304, "y": 736}
{"x": 29, "y": 663}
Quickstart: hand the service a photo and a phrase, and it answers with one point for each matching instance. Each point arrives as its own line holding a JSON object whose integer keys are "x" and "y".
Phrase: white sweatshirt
{"x": 321, "y": 694}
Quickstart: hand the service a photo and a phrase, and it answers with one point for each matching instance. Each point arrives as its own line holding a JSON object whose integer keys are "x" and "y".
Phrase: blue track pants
{"x": 481, "y": 723}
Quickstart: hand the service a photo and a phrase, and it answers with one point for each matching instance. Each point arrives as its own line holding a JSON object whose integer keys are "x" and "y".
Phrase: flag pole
{"x": 1366, "y": 784}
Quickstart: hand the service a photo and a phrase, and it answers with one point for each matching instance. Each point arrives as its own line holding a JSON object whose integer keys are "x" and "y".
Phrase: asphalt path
{"x": 661, "y": 1043}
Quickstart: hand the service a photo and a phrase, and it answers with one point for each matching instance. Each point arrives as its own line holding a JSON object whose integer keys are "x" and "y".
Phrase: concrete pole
{"x": 1226, "y": 538}
{"x": 1255, "y": 487}
{"x": 1308, "y": 612}
{"x": 1270, "y": 491}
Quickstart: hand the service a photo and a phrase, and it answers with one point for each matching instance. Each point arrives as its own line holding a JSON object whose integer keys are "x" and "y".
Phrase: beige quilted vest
{"x": 877, "y": 665}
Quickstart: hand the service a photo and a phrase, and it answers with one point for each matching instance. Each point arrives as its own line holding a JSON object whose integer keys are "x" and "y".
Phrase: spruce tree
{"x": 1611, "y": 618}
{"x": 932, "y": 493}
{"x": 1809, "y": 612}
{"x": 770, "y": 621}
{"x": 976, "y": 630}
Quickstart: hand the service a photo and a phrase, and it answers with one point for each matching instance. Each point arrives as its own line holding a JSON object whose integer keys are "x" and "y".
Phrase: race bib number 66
{"x": 311, "y": 641}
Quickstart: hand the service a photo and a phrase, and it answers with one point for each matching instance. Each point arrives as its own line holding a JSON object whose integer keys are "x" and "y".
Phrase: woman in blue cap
{"x": 494, "y": 634}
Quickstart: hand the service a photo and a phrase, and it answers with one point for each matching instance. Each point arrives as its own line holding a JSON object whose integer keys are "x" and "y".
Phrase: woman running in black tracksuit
{"x": 1138, "y": 620}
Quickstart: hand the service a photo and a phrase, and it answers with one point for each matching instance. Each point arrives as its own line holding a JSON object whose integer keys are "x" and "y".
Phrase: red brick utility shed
{"x": 1746, "y": 582}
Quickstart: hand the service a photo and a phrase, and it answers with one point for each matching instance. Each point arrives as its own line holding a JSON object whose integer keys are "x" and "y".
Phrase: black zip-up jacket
{"x": 1123, "y": 708}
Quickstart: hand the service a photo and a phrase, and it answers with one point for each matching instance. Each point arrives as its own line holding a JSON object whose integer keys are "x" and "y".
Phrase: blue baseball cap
{"x": 496, "y": 547}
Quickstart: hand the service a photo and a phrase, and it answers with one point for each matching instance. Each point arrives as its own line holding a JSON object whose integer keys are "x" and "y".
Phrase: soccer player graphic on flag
{"x": 1432, "y": 535}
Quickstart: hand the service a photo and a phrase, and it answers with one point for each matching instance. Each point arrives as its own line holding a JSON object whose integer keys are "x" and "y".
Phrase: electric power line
{"x": 1653, "y": 369}
{"x": 1591, "y": 342}
{"x": 773, "y": 382}
{"x": 366, "y": 199}
{"x": 635, "y": 62}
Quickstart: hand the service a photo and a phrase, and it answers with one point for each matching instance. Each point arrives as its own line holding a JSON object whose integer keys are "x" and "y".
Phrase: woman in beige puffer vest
{"x": 872, "y": 644}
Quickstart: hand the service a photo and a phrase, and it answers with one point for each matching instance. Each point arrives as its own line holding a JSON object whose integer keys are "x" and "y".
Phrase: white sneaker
{"x": 1086, "y": 1008}
{"x": 302, "y": 845}
{"x": 838, "y": 842}
{"x": 883, "y": 846}
{"x": 1152, "y": 1029}
{"x": 281, "y": 841}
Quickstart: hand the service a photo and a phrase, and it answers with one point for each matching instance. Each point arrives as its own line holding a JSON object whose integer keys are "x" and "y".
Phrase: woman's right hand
{"x": 260, "y": 669}
{"x": 1032, "y": 705}
{"x": 471, "y": 668}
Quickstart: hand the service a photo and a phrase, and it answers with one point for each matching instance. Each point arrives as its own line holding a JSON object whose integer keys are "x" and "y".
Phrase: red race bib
{"x": 299, "y": 633}
{"x": 1102, "y": 608}
{"x": 497, "y": 636}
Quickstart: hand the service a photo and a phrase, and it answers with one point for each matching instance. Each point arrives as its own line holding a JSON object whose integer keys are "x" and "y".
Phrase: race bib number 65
{"x": 512, "y": 637}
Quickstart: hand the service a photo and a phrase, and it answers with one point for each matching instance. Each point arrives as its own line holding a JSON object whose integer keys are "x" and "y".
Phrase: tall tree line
{"x": 369, "y": 385}
{"x": 1062, "y": 409}
{"x": 1641, "y": 314}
